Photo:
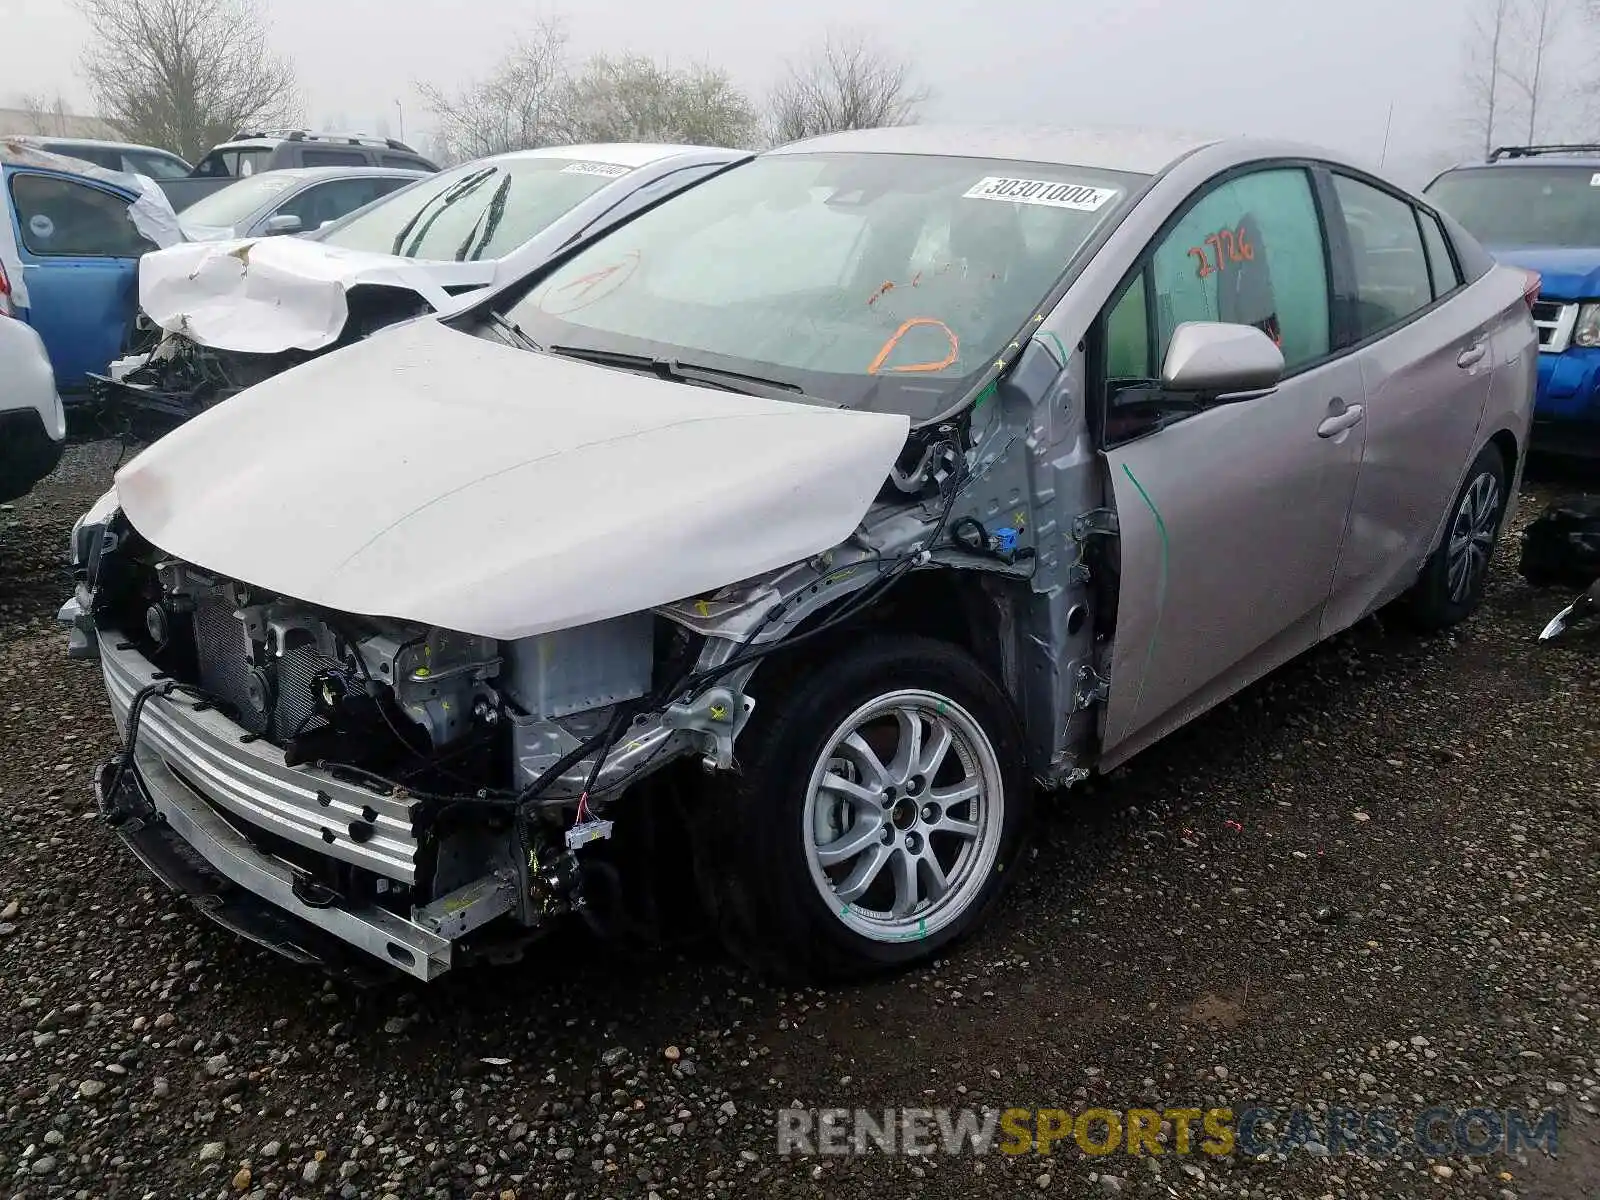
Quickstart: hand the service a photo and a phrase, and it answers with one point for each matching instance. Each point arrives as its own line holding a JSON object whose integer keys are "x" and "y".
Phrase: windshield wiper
{"x": 512, "y": 330}
{"x": 678, "y": 371}
{"x": 488, "y": 221}
{"x": 447, "y": 196}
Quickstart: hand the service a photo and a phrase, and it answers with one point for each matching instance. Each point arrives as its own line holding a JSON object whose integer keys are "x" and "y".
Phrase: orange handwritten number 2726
{"x": 1227, "y": 246}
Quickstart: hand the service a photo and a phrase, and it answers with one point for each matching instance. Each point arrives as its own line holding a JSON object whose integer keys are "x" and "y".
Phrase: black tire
{"x": 1435, "y": 601}
{"x": 766, "y": 894}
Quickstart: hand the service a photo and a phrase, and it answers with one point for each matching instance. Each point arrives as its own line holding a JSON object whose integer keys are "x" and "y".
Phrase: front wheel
{"x": 880, "y": 807}
{"x": 1451, "y": 585}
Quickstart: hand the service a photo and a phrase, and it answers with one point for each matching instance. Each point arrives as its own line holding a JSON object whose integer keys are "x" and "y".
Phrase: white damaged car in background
{"x": 232, "y": 312}
{"x": 791, "y": 534}
{"x": 33, "y": 424}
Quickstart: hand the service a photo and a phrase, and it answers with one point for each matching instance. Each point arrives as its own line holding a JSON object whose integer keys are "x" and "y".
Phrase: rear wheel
{"x": 1451, "y": 585}
{"x": 882, "y": 802}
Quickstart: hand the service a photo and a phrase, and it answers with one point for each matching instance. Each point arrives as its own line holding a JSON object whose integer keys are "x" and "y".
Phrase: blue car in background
{"x": 1538, "y": 207}
{"x": 71, "y": 235}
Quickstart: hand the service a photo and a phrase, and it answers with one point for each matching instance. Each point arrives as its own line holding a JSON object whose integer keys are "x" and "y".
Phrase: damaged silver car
{"x": 226, "y": 313}
{"x": 792, "y": 535}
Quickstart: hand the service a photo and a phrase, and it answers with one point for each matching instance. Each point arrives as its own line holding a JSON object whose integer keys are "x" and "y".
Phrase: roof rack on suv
{"x": 306, "y": 135}
{"x": 1534, "y": 151}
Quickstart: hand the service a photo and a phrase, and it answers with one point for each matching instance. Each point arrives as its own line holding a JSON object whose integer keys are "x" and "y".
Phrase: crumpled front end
{"x": 346, "y": 789}
{"x": 396, "y": 641}
{"x": 226, "y": 315}
{"x": 319, "y": 781}
{"x": 270, "y": 295}
{"x": 145, "y": 396}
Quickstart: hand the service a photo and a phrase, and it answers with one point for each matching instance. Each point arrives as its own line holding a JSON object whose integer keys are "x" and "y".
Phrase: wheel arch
{"x": 978, "y": 611}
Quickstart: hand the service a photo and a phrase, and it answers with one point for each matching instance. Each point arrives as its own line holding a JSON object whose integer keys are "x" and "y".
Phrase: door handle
{"x": 1335, "y": 425}
{"x": 1472, "y": 356}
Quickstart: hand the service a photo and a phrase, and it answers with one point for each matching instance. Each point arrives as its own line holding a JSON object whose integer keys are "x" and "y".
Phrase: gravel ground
{"x": 1373, "y": 879}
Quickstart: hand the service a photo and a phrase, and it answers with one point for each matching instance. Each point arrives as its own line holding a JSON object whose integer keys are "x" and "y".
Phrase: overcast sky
{"x": 1320, "y": 71}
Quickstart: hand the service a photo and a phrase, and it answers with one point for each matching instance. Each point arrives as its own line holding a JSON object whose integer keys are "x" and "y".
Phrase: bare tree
{"x": 1489, "y": 53}
{"x": 45, "y": 115}
{"x": 634, "y": 99}
{"x": 1529, "y": 72}
{"x": 846, "y": 83}
{"x": 185, "y": 74}
{"x": 517, "y": 107}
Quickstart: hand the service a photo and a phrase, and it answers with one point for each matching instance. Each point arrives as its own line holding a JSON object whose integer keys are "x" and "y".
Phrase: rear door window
{"x": 329, "y": 201}
{"x": 154, "y": 166}
{"x": 1392, "y": 277}
{"x": 99, "y": 156}
{"x": 62, "y": 218}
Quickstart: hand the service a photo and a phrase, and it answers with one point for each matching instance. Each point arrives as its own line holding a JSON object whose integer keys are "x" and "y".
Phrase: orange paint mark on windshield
{"x": 894, "y": 340}
{"x": 587, "y": 289}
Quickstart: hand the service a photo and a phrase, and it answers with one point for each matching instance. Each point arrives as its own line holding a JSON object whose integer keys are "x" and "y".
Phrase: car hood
{"x": 268, "y": 295}
{"x": 434, "y": 476}
{"x": 1565, "y": 274}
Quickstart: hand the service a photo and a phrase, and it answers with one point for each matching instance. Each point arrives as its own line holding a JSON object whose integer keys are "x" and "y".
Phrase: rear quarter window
{"x": 1441, "y": 263}
{"x": 332, "y": 158}
{"x": 234, "y": 163}
{"x": 1473, "y": 259}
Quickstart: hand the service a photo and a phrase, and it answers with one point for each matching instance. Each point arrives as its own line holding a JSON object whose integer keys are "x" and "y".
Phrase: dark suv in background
{"x": 1538, "y": 207}
{"x": 276, "y": 149}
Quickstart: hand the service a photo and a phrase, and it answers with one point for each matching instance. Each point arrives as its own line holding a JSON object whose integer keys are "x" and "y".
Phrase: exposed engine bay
{"x": 171, "y": 378}
{"x": 482, "y": 742}
{"x": 148, "y": 394}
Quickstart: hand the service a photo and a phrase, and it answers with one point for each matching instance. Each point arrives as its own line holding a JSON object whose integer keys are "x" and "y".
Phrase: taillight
{"x": 5, "y": 294}
{"x": 1530, "y": 291}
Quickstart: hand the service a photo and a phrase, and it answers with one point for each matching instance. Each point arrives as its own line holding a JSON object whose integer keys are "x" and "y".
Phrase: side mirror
{"x": 283, "y": 223}
{"x": 1211, "y": 361}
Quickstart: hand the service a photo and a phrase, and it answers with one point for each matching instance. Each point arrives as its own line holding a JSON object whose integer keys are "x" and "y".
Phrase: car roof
{"x": 622, "y": 154}
{"x": 1588, "y": 161}
{"x": 249, "y": 144}
{"x": 93, "y": 143}
{"x": 311, "y": 173}
{"x": 1142, "y": 151}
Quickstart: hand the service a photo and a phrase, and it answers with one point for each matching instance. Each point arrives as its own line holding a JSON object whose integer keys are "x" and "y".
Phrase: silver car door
{"x": 1428, "y": 356}
{"x": 1230, "y": 519}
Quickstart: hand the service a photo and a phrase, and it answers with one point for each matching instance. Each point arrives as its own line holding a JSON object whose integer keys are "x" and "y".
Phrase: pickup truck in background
{"x": 275, "y": 149}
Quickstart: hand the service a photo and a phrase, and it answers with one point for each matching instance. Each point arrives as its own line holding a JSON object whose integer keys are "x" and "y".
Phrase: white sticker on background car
{"x": 41, "y": 226}
{"x": 1594, "y": 181}
{"x": 594, "y": 168}
{"x": 1050, "y": 192}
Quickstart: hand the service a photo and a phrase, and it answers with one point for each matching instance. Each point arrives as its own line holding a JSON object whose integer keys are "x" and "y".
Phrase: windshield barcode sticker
{"x": 1049, "y": 192}
{"x": 594, "y": 168}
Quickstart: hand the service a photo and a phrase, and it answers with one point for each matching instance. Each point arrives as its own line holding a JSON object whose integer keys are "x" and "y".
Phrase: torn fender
{"x": 434, "y": 476}
{"x": 268, "y": 295}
